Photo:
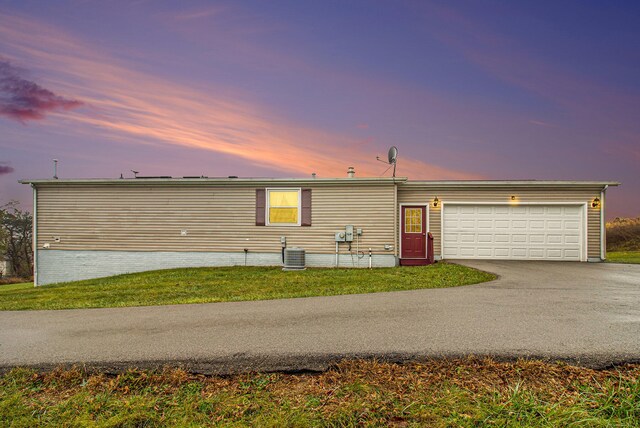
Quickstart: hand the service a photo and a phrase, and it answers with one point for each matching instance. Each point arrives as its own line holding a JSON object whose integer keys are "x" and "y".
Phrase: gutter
{"x": 216, "y": 181}
{"x": 507, "y": 183}
{"x": 603, "y": 226}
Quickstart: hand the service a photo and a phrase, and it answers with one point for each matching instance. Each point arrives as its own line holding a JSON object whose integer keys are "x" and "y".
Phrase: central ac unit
{"x": 294, "y": 259}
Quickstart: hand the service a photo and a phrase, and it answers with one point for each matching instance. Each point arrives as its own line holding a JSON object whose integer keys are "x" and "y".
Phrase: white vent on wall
{"x": 294, "y": 259}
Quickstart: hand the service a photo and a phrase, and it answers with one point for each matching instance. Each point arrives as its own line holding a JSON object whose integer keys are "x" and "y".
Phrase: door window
{"x": 413, "y": 220}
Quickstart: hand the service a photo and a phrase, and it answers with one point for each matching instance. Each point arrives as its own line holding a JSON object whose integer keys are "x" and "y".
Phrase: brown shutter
{"x": 306, "y": 208}
{"x": 261, "y": 206}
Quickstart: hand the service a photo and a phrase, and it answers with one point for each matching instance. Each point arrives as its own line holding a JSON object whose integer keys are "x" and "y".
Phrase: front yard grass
{"x": 442, "y": 393}
{"x": 623, "y": 256}
{"x": 226, "y": 284}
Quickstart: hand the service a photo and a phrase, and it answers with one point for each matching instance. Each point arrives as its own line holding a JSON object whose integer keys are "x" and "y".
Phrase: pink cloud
{"x": 5, "y": 169}
{"x": 197, "y": 14}
{"x": 141, "y": 108}
{"x": 22, "y": 99}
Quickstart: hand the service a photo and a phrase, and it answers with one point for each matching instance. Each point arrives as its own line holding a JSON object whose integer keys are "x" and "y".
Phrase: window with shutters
{"x": 283, "y": 207}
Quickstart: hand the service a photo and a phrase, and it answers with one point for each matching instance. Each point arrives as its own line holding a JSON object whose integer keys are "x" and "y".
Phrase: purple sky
{"x": 492, "y": 90}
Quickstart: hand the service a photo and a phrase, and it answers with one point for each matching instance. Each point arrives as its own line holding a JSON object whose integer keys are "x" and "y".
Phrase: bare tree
{"x": 16, "y": 234}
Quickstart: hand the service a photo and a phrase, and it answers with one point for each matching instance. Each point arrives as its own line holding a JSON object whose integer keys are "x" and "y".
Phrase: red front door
{"x": 413, "y": 235}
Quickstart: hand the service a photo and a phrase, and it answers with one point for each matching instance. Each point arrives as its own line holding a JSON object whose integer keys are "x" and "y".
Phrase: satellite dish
{"x": 392, "y": 158}
{"x": 393, "y": 155}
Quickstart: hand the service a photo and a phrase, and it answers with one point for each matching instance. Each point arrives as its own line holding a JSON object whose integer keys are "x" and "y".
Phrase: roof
{"x": 215, "y": 180}
{"x": 307, "y": 181}
{"x": 508, "y": 183}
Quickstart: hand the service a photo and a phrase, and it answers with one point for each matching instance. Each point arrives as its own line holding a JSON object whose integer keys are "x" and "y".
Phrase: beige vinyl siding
{"x": 216, "y": 217}
{"x": 420, "y": 195}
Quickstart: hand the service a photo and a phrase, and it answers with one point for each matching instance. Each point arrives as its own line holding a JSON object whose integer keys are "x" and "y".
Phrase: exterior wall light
{"x": 513, "y": 197}
{"x": 436, "y": 201}
{"x": 596, "y": 203}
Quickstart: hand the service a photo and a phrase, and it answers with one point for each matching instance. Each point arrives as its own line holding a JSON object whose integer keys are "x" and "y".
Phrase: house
{"x": 87, "y": 228}
{"x": 6, "y": 267}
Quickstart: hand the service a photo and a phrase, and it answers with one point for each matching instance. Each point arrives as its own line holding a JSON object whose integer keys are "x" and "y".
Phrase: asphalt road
{"x": 586, "y": 314}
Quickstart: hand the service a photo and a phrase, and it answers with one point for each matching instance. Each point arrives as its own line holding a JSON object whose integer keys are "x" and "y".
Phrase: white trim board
{"x": 267, "y": 205}
{"x": 603, "y": 226}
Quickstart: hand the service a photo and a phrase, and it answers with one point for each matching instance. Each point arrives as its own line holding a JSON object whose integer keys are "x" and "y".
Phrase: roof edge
{"x": 403, "y": 181}
{"x": 142, "y": 181}
{"x": 511, "y": 183}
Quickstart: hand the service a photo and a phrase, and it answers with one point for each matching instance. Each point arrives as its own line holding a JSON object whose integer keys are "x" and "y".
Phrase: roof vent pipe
{"x": 351, "y": 172}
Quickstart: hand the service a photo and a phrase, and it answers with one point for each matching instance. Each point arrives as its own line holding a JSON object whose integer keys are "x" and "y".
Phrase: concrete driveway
{"x": 582, "y": 313}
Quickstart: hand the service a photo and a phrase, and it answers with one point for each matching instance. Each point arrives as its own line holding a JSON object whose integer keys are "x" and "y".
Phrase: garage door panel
{"x": 536, "y": 238}
{"x": 571, "y": 254}
{"x": 467, "y": 252}
{"x": 501, "y": 252}
{"x": 537, "y": 211}
{"x": 571, "y": 239}
{"x": 467, "y": 224}
{"x": 519, "y": 224}
{"x": 554, "y": 254}
{"x": 519, "y": 252}
{"x": 554, "y": 224}
{"x": 523, "y": 232}
{"x": 575, "y": 225}
{"x": 536, "y": 253}
{"x": 518, "y": 239}
{"x": 572, "y": 210}
{"x": 554, "y": 239}
{"x": 519, "y": 210}
{"x": 451, "y": 238}
{"x": 485, "y": 252}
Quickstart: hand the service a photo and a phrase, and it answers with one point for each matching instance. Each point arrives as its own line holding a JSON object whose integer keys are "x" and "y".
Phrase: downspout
{"x": 396, "y": 229}
{"x": 35, "y": 235}
{"x": 603, "y": 225}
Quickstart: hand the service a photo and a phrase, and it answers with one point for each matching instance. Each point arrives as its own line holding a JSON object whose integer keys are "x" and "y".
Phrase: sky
{"x": 464, "y": 89}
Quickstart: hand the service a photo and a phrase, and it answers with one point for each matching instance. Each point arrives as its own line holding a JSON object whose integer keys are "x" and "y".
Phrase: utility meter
{"x": 340, "y": 236}
{"x": 348, "y": 235}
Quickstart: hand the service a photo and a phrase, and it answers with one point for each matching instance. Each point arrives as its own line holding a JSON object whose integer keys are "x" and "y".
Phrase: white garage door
{"x": 518, "y": 232}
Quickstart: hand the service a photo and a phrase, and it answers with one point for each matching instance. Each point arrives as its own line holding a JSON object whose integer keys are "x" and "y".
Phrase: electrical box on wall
{"x": 348, "y": 233}
{"x": 340, "y": 236}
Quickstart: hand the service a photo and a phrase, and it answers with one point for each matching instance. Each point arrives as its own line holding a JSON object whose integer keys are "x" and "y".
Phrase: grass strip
{"x": 629, "y": 257}
{"x": 228, "y": 284}
{"x": 468, "y": 392}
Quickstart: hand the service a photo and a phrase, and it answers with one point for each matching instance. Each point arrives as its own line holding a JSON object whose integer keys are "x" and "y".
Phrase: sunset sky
{"x": 464, "y": 89}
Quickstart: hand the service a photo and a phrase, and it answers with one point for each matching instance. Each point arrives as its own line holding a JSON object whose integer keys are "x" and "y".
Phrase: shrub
{"x": 623, "y": 234}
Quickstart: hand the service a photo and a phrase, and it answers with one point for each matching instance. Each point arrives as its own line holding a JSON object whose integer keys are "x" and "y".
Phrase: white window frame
{"x": 268, "y": 205}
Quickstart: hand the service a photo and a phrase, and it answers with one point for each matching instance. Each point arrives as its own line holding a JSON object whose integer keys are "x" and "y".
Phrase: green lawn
{"x": 443, "y": 393}
{"x": 623, "y": 256}
{"x": 200, "y": 285}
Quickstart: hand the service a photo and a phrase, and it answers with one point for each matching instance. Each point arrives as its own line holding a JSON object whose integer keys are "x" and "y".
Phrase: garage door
{"x": 518, "y": 232}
